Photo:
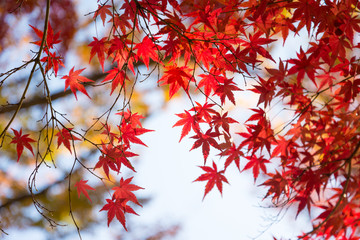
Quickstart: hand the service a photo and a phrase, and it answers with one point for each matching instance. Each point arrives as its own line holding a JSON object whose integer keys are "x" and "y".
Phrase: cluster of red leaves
{"x": 52, "y": 60}
{"x": 117, "y": 205}
{"x": 315, "y": 156}
{"x": 115, "y": 153}
{"x": 321, "y": 142}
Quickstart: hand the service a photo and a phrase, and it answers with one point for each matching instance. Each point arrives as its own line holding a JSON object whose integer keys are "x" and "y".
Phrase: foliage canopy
{"x": 209, "y": 51}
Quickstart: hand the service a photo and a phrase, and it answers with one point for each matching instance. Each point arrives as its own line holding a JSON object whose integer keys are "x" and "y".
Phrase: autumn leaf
{"x": 188, "y": 122}
{"x": 73, "y": 80}
{"x": 82, "y": 187}
{"x": 117, "y": 78}
{"x": 213, "y": 176}
{"x": 233, "y": 154}
{"x": 129, "y": 134}
{"x": 225, "y": 90}
{"x": 99, "y": 48}
{"x": 52, "y": 62}
{"x": 176, "y": 77}
{"x": 223, "y": 121}
{"x": 125, "y": 189}
{"x": 22, "y": 141}
{"x": 113, "y": 157}
{"x": 118, "y": 208}
{"x": 102, "y": 11}
{"x": 205, "y": 111}
{"x": 210, "y": 82}
{"x": 146, "y": 49}
{"x": 303, "y": 65}
{"x": 206, "y": 140}
{"x": 254, "y": 45}
{"x": 64, "y": 137}
{"x": 51, "y": 39}
{"x": 132, "y": 118}
{"x": 257, "y": 164}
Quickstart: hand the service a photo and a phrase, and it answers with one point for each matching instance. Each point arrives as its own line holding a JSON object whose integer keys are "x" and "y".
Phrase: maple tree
{"x": 211, "y": 51}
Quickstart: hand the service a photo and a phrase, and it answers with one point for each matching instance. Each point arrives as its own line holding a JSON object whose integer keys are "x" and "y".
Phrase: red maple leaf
{"x": 106, "y": 162}
{"x": 98, "y": 47}
{"x": 187, "y": 121}
{"x": 206, "y": 140}
{"x": 102, "y": 11}
{"x": 176, "y": 77}
{"x": 226, "y": 89}
{"x": 256, "y": 163}
{"x": 132, "y": 118}
{"x": 82, "y": 187}
{"x": 213, "y": 177}
{"x": 222, "y": 121}
{"x": 304, "y": 65}
{"x": 113, "y": 157}
{"x": 277, "y": 185}
{"x": 117, "y": 76}
{"x": 205, "y": 111}
{"x": 22, "y": 141}
{"x": 64, "y": 137}
{"x": 234, "y": 153}
{"x": 118, "y": 208}
{"x": 266, "y": 89}
{"x": 210, "y": 81}
{"x": 51, "y": 39}
{"x": 129, "y": 134}
{"x": 73, "y": 80}
{"x": 52, "y": 61}
{"x": 125, "y": 189}
{"x": 254, "y": 48}
{"x": 146, "y": 49}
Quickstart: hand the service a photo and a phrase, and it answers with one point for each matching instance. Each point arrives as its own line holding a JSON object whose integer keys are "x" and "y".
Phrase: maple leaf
{"x": 132, "y": 118}
{"x": 206, "y": 140}
{"x": 253, "y": 46}
{"x": 64, "y": 137}
{"x": 226, "y": 90}
{"x": 277, "y": 185}
{"x": 129, "y": 134}
{"x": 234, "y": 153}
{"x": 82, "y": 187}
{"x": 211, "y": 81}
{"x": 213, "y": 176}
{"x": 73, "y": 80}
{"x": 205, "y": 111}
{"x": 118, "y": 208}
{"x": 176, "y": 77}
{"x": 22, "y": 141}
{"x": 147, "y": 49}
{"x": 278, "y": 73}
{"x": 113, "y": 157}
{"x": 187, "y": 121}
{"x": 52, "y": 61}
{"x": 304, "y": 65}
{"x": 222, "y": 121}
{"x": 117, "y": 76}
{"x": 51, "y": 39}
{"x": 107, "y": 131}
{"x": 106, "y": 162}
{"x": 266, "y": 89}
{"x": 304, "y": 201}
{"x": 256, "y": 163}
{"x": 102, "y": 11}
{"x": 125, "y": 189}
{"x": 98, "y": 47}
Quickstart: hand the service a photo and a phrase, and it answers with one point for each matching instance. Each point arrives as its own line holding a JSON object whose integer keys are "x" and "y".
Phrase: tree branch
{"x": 29, "y": 195}
{"x": 37, "y": 100}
